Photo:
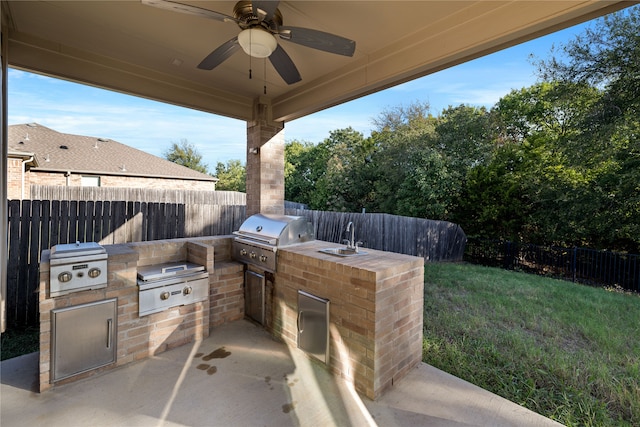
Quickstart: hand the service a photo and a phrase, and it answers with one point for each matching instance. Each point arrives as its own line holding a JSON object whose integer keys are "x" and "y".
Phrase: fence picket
{"x": 32, "y": 278}
{"x": 64, "y": 222}
{"x": 13, "y": 263}
{"x": 54, "y": 223}
{"x": 73, "y": 221}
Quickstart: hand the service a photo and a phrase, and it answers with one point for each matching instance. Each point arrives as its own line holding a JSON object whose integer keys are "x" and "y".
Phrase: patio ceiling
{"x": 150, "y": 52}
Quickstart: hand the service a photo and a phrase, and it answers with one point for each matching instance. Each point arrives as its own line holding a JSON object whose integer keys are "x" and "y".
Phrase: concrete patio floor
{"x": 240, "y": 376}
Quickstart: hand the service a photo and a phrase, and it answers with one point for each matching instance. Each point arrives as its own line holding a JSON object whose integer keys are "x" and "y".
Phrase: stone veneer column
{"x": 265, "y": 161}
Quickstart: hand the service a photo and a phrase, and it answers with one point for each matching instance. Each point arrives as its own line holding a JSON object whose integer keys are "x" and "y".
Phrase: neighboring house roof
{"x": 62, "y": 152}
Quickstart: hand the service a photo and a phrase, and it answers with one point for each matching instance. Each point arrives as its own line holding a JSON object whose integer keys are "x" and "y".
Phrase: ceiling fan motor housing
{"x": 243, "y": 12}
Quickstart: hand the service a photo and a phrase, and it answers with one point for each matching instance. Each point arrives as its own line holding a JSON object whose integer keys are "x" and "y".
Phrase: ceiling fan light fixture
{"x": 257, "y": 42}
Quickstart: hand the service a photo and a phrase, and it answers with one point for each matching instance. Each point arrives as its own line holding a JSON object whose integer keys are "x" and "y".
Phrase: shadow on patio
{"x": 240, "y": 376}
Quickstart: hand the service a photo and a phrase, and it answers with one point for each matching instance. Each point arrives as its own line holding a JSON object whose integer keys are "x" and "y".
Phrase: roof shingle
{"x": 57, "y": 151}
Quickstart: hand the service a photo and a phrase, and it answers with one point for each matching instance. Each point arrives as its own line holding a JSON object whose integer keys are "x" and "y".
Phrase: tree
{"x": 604, "y": 56}
{"x": 232, "y": 176}
{"x": 302, "y": 169}
{"x": 607, "y": 56}
{"x": 185, "y": 154}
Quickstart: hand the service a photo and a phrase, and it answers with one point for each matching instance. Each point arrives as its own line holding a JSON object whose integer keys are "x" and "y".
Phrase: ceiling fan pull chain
{"x": 250, "y": 57}
{"x": 265, "y": 75}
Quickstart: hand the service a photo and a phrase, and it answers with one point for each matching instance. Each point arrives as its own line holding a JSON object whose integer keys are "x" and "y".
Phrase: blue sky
{"x": 152, "y": 126}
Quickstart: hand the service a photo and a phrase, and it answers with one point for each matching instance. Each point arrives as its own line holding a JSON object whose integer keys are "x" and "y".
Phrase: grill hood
{"x": 276, "y": 230}
{"x": 259, "y": 237}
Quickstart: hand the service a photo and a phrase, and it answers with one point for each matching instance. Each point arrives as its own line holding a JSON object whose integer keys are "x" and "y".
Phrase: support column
{"x": 265, "y": 161}
{"x": 4, "y": 147}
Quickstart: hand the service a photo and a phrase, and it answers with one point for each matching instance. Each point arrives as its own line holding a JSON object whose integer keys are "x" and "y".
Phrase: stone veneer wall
{"x": 376, "y": 315}
{"x": 141, "y": 337}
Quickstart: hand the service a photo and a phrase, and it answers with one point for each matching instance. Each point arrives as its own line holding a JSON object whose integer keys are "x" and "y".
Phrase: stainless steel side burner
{"x": 77, "y": 267}
{"x": 259, "y": 237}
{"x": 164, "y": 286}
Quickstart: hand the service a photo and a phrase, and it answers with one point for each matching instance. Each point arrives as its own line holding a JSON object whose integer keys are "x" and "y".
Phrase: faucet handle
{"x": 355, "y": 246}
{"x": 347, "y": 242}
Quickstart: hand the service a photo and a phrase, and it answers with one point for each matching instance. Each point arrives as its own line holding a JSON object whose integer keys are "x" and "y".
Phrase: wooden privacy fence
{"x": 36, "y": 225}
{"x": 431, "y": 240}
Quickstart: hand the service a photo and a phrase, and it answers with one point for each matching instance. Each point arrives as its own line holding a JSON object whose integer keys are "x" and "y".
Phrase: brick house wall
{"x": 14, "y": 179}
{"x": 58, "y": 178}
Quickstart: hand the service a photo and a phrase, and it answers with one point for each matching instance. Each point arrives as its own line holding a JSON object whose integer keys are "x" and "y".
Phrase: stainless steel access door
{"x": 84, "y": 337}
{"x": 254, "y": 303}
{"x": 313, "y": 325}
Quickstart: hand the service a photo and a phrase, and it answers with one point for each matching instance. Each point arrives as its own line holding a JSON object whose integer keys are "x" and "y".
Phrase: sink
{"x": 342, "y": 252}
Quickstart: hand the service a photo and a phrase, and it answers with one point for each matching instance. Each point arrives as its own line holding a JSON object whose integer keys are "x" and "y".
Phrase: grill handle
{"x": 173, "y": 268}
{"x": 254, "y": 238}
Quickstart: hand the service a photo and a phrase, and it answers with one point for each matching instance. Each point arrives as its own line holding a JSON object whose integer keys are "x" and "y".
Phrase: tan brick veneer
{"x": 141, "y": 337}
{"x": 265, "y": 161}
{"x": 376, "y": 310}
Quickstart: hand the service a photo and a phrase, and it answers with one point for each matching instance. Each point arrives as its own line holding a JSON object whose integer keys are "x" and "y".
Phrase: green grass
{"x": 18, "y": 341}
{"x": 567, "y": 351}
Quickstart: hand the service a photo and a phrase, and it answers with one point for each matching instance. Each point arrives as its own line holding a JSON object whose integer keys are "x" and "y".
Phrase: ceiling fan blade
{"x": 318, "y": 40}
{"x": 191, "y": 10}
{"x": 219, "y": 55}
{"x": 268, "y": 7}
{"x": 284, "y": 66}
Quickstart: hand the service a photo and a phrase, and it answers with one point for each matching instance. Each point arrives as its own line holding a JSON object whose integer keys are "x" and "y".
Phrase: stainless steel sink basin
{"x": 342, "y": 252}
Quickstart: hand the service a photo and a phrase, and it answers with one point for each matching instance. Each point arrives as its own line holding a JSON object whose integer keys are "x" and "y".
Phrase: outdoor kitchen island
{"x": 376, "y": 310}
{"x": 374, "y": 320}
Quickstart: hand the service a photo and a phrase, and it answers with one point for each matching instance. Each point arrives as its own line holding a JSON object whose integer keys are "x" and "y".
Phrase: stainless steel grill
{"x": 259, "y": 237}
{"x": 163, "y": 286}
{"x": 77, "y": 267}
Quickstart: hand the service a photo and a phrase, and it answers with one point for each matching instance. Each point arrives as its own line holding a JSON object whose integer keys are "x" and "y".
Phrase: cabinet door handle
{"x": 299, "y": 321}
{"x": 109, "y": 332}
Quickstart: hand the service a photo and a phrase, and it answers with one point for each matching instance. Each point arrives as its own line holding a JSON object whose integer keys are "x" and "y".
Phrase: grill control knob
{"x": 65, "y": 276}
{"x": 187, "y": 290}
{"x": 263, "y": 258}
{"x": 94, "y": 272}
{"x": 165, "y": 295}
{"x": 243, "y": 252}
{"x": 252, "y": 255}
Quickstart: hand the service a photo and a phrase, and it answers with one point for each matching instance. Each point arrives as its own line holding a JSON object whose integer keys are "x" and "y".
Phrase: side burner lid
{"x": 76, "y": 249}
{"x": 167, "y": 270}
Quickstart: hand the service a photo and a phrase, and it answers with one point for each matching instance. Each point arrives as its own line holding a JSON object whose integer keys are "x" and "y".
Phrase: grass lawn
{"x": 567, "y": 351}
{"x": 18, "y": 341}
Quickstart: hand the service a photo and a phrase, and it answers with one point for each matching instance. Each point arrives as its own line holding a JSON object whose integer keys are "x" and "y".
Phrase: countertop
{"x": 373, "y": 260}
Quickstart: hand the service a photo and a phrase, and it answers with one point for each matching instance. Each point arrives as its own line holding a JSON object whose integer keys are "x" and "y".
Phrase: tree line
{"x": 556, "y": 163}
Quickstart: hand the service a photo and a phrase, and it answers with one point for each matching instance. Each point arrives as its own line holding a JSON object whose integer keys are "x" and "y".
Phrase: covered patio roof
{"x": 132, "y": 47}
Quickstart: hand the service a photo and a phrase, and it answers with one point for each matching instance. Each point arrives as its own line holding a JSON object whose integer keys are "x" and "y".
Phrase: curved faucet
{"x": 352, "y": 244}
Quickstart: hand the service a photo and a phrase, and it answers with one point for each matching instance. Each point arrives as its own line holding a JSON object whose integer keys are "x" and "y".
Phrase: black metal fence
{"x": 582, "y": 265}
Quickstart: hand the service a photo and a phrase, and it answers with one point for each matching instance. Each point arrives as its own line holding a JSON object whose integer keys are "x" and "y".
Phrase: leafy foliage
{"x": 232, "y": 176}
{"x": 185, "y": 154}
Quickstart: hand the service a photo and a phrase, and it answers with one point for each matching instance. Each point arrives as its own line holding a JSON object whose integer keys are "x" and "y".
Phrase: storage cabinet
{"x": 83, "y": 337}
{"x": 313, "y": 325}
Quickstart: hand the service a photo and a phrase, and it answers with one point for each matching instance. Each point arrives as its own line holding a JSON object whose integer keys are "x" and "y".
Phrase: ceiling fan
{"x": 261, "y": 22}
